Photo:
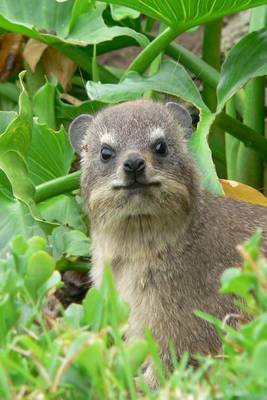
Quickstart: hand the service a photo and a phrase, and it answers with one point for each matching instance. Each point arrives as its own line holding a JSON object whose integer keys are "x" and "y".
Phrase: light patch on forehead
{"x": 108, "y": 138}
{"x": 157, "y": 133}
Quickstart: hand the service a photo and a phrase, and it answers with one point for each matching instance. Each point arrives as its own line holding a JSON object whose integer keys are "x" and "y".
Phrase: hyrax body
{"x": 167, "y": 240}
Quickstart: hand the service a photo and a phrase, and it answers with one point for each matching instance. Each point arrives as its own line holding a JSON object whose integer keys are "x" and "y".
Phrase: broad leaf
{"x": 240, "y": 284}
{"x": 173, "y": 79}
{"x": 15, "y": 218}
{"x": 183, "y": 14}
{"x": 202, "y": 153}
{"x": 120, "y": 12}
{"x": 44, "y": 104}
{"x": 5, "y": 118}
{"x": 69, "y": 243}
{"x": 17, "y": 134}
{"x": 259, "y": 361}
{"x": 40, "y": 267}
{"x": 66, "y": 111}
{"x": 246, "y": 60}
{"x": 63, "y": 209}
{"x": 5, "y": 187}
{"x": 55, "y": 22}
{"x": 50, "y": 154}
{"x": 14, "y": 146}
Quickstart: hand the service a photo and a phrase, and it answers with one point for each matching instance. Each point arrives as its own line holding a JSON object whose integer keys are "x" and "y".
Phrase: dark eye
{"x": 106, "y": 153}
{"x": 160, "y": 148}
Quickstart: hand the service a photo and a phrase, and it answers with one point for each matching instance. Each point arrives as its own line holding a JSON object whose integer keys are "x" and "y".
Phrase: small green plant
{"x": 37, "y": 176}
{"x": 80, "y": 352}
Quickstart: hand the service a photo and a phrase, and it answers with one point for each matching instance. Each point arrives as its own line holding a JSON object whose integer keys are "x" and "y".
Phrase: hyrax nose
{"x": 134, "y": 166}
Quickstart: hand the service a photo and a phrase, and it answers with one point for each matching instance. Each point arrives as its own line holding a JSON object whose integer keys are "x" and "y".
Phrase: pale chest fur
{"x": 133, "y": 277}
{"x": 130, "y": 271}
{"x": 131, "y": 248}
{"x": 163, "y": 284}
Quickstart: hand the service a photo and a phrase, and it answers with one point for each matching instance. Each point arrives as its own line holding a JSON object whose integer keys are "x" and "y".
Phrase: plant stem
{"x": 150, "y": 52}
{"x": 195, "y": 64}
{"x": 249, "y": 163}
{"x": 154, "y": 67}
{"x": 95, "y": 70}
{"x": 211, "y": 53}
{"x": 231, "y": 143}
{"x": 54, "y": 187}
{"x": 66, "y": 265}
{"x": 244, "y": 133}
{"x": 149, "y": 24}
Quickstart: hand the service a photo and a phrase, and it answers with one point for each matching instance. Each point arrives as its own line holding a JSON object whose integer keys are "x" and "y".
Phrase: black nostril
{"x": 134, "y": 166}
{"x": 128, "y": 166}
{"x": 139, "y": 165}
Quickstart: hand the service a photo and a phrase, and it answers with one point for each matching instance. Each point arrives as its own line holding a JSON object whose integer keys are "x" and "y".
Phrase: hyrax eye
{"x": 106, "y": 153}
{"x": 161, "y": 148}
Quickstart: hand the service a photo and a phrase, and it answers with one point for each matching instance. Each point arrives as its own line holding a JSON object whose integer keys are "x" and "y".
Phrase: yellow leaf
{"x": 240, "y": 191}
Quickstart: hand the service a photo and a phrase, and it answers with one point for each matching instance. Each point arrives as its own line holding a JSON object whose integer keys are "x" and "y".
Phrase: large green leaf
{"x": 63, "y": 209}
{"x": 44, "y": 104}
{"x": 15, "y": 218}
{"x": 68, "y": 112}
{"x": 14, "y": 146}
{"x": 69, "y": 243}
{"x": 52, "y": 22}
{"x": 50, "y": 154}
{"x": 183, "y": 14}
{"x": 246, "y": 60}
{"x": 120, "y": 12}
{"x": 5, "y": 187}
{"x": 202, "y": 153}
{"x": 5, "y": 118}
{"x": 173, "y": 79}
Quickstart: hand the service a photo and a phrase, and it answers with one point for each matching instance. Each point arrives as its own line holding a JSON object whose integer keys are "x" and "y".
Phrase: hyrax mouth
{"x": 137, "y": 186}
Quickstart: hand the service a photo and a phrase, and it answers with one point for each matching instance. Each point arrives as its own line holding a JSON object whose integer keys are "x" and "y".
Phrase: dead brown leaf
{"x": 33, "y": 52}
{"x": 240, "y": 191}
{"x": 54, "y": 62}
{"x": 10, "y": 54}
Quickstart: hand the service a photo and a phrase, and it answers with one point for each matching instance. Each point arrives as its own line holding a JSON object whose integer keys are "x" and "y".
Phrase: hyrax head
{"x": 134, "y": 159}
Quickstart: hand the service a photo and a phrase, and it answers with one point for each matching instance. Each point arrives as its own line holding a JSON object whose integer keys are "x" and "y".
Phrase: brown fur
{"x": 169, "y": 244}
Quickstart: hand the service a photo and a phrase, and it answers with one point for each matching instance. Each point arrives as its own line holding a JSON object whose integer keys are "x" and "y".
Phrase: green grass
{"x": 80, "y": 353}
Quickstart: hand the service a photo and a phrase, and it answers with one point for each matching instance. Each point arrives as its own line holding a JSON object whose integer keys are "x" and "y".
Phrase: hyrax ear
{"x": 78, "y": 129}
{"x": 182, "y": 116}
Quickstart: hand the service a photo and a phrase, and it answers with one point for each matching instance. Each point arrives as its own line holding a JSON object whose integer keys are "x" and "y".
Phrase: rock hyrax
{"x": 167, "y": 240}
